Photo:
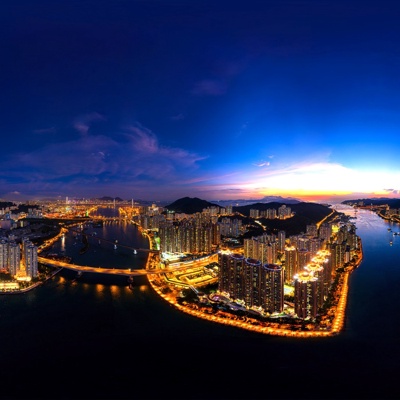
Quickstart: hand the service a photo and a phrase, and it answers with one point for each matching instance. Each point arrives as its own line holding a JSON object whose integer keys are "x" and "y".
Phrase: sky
{"x": 220, "y": 100}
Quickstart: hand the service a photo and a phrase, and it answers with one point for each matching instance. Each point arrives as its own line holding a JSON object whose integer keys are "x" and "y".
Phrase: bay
{"x": 94, "y": 338}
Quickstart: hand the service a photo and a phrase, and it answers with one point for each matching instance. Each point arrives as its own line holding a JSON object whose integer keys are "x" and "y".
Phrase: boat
{"x": 134, "y": 251}
{"x": 115, "y": 247}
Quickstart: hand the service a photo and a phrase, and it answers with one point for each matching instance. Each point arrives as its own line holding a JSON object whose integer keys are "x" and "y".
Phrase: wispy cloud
{"x": 82, "y": 123}
{"x": 178, "y": 117}
{"x": 392, "y": 191}
{"x": 45, "y": 130}
{"x": 262, "y": 164}
{"x": 133, "y": 158}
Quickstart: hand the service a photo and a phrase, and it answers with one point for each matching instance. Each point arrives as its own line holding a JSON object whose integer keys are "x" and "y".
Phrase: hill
{"x": 189, "y": 205}
{"x": 305, "y": 214}
{"x": 266, "y": 199}
{"x": 392, "y": 203}
{"x": 310, "y": 210}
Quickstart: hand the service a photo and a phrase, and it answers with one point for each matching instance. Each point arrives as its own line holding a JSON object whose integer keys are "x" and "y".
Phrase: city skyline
{"x": 160, "y": 100}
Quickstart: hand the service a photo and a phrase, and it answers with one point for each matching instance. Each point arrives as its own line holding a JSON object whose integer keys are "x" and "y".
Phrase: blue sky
{"x": 158, "y": 100}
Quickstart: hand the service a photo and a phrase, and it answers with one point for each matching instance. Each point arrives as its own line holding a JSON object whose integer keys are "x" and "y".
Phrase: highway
{"x": 129, "y": 271}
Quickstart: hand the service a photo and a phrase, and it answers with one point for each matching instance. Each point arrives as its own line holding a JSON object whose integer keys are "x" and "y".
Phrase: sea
{"x": 95, "y": 337}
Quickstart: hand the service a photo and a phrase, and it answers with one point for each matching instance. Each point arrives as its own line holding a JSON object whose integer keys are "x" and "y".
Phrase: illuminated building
{"x": 230, "y": 279}
{"x": 14, "y": 257}
{"x": 263, "y": 248}
{"x": 281, "y": 241}
{"x": 314, "y": 245}
{"x": 270, "y": 213}
{"x": 230, "y": 227}
{"x": 190, "y": 235}
{"x": 303, "y": 258}
{"x": 30, "y": 259}
{"x": 337, "y": 251}
{"x": 318, "y": 271}
{"x": 291, "y": 264}
{"x": 305, "y": 295}
{"x": 284, "y": 212}
{"x": 272, "y": 283}
{"x": 3, "y": 254}
{"x": 323, "y": 258}
{"x": 254, "y": 213}
{"x": 247, "y": 279}
{"x": 252, "y": 282}
{"x": 325, "y": 231}
{"x": 312, "y": 230}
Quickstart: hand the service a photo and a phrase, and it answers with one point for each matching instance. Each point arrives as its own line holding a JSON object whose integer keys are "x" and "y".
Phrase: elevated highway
{"x": 116, "y": 271}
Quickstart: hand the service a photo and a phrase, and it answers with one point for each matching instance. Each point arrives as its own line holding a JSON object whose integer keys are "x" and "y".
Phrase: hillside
{"x": 310, "y": 210}
{"x": 392, "y": 203}
{"x": 305, "y": 214}
{"x": 189, "y": 205}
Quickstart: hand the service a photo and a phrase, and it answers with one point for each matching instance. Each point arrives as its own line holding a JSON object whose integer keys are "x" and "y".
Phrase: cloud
{"x": 45, "y": 130}
{"x": 393, "y": 191}
{"x": 262, "y": 164}
{"x": 147, "y": 147}
{"x": 133, "y": 158}
{"x": 178, "y": 117}
{"x": 83, "y": 122}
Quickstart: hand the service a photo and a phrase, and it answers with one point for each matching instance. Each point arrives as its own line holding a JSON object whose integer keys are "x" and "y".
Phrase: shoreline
{"x": 338, "y": 309}
{"x": 34, "y": 285}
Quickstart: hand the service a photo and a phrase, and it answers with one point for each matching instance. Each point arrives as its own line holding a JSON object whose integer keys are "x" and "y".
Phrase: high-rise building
{"x": 337, "y": 251}
{"x": 281, "y": 241}
{"x": 272, "y": 283}
{"x": 325, "y": 231}
{"x": 247, "y": 279}
{"x": 14, "y": 258}
{"x": 312, "y": 230}
{"x": 230, "y": 278}
{"x": 318, "y": 271}
{"x": 30, "y": 259}
{"x": 305, "y": 295}
{"x": 303, "y": 258}
{"x": 4, "y": 254}
{"x": 252, "y": 282}
{"x": 291, "y": 264}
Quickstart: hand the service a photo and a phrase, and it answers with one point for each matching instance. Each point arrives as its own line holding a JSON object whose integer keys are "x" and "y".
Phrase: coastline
{"x": 336, "y": 312}
{"x": 338, "y": 309}
{"x": 33, "y": 286}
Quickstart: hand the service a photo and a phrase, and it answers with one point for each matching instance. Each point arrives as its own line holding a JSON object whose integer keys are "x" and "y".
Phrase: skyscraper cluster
{"x": 259, "y": 285}
{"x": 307, "y": 263}
{"x": 20, "y": 260}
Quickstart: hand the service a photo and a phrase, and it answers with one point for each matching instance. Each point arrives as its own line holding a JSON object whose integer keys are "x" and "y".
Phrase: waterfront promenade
{"x": 337, "y": 311}
{"x": 271, "y": 328}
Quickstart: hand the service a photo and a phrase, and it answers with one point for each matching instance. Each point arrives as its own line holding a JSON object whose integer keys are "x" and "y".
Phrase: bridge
{"x": 113, "y": 271}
